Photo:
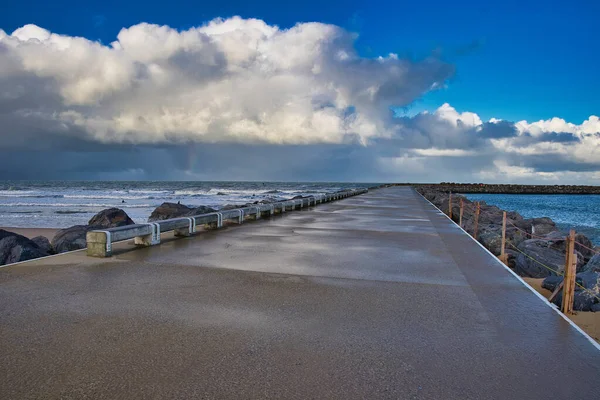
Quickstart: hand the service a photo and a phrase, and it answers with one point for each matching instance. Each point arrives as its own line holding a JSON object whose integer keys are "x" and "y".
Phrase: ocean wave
{"x": 50, "y": 205}
{"x": 106, "y": 197}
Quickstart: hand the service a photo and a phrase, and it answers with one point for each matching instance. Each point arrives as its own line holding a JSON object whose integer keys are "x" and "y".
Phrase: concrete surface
{"x": 375, "y": 296}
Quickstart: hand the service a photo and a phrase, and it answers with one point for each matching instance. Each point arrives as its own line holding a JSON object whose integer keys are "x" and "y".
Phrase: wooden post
{"x": 570, "y": 272}
{"x": 462, "y": 208}
{"x": 450, "y": 205}
{"x": 503, "y": 256}
{"x": 477, "y": 210}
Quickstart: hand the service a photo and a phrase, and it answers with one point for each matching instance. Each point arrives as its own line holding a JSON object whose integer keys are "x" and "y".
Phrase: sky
{"x": 352, "y": 90}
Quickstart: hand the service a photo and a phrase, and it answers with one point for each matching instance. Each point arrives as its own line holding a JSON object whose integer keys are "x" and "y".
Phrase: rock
{"x": 175, "y": 210}
{"x": 43, "y": 243}
{"x": 543, "y": 226}
{"x": 584, "y": 299}
{"x": 200, "y": 210}
{"x": 72, "y": 238}
{"x": 491, "y": 239}
{"x": 111, "y": 218}
{"x": 584, "y": 245}
{"x": 551, "y": 282}
{"x": 541, "y": 251}
{"x": 593, "y": 265}
{"x": 168, "y": 211}
{"x": 15, "y": 248}
{"x": 221, "y": 194}
{"x": 595, "y": 308}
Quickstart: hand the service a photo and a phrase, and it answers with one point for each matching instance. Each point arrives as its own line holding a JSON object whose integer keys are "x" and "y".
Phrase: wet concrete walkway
{"x": 375, "y": 296}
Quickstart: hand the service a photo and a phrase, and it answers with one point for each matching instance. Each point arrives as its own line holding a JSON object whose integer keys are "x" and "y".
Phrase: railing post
{"x": 462, "y": 205}
{"x": 503, "y": 257}
{"x": 476, "y": 221}
{"x": 570, "y": 272}
{"x": 450, "y": 205}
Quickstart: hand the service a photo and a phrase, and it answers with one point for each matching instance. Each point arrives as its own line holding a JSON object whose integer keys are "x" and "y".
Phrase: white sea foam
{"x": 74, "y": 205}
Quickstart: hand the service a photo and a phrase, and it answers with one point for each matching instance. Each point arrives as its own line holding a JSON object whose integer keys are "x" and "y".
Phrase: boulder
{"x": 200, "y": 210}
{"x": 168, "y": 210}
{"x": 584, "y": 299}
{"x": 43, "y": 243}
{"x": 15, "y": 248}
{"x": 593, "y": 265}
{"x": 582, "y": 245}
{"x": 541, "y": 226}
{"x": 175, "y": 210}
{"x": 72, "y": 238}
{"x": 111, "y": 218}
{"x": 541, "y": 251}
{"x": 551, "y": 282}
{"x": 491, "y": 239}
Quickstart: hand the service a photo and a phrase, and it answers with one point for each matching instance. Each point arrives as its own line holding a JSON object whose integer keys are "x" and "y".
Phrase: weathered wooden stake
{"x": 570, "y": 272}
{"x": 462, "y": 205}
{"x": 450, "y": 205}
{"x": 503, "y": 256}
{"x": 477, "y": 210}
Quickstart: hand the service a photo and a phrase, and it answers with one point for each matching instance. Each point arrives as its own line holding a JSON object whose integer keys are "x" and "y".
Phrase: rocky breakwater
{"x": 534, "y": 246}
{"x": 16, "y": 248}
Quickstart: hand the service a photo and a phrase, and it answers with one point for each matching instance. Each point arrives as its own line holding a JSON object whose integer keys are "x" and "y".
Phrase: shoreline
{"x": 33, "y": 232}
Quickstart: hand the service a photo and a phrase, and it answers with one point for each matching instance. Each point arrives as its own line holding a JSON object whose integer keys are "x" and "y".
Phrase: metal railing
{"x": 99, "y": 242}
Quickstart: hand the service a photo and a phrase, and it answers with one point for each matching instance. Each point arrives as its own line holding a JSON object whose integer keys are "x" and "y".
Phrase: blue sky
{"x": 515, "y": 59}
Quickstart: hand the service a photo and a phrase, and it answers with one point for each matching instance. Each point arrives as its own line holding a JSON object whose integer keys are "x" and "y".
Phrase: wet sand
{"x": 33, "y": 232}
{"x": 588, "y": 321}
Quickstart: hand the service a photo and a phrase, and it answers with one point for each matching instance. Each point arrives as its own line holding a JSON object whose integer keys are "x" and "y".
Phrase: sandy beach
{"x": 588, "y": 321}
{"x": 33, "y": 232}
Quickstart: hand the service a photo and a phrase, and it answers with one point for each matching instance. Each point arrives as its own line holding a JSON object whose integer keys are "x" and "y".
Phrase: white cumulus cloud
{"x": 230, "y": 80}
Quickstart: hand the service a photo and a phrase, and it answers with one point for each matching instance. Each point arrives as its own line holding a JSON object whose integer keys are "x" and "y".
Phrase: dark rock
{"x": 176, "y": 210}
{"x": 584, "y": 245}
{"x": 72, "y": 238}
{"x": 15, "y": 248}
{"x": 200, "y": 210}
{"x": 540, "y": 226}
{"x": 595, "y": 308}
{"x": 111, "y": 218}
{"x": 540, "y": 250}
{"x": 221, "y": 194}
{"x": 492, "y": 240}
{"x": 168, "y": 211}
{"x": 43, "y": 243}
{"x": 551, "y": 282}
{"x": 587, "y": 292}
{"x": 593, "y": 265}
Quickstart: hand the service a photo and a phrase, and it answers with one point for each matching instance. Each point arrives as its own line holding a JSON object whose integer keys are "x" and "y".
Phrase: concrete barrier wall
{"x": 99, "y": 242}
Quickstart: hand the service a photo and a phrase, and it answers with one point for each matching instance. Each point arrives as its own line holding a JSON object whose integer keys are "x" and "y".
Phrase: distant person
{"x": 178, "y": 201}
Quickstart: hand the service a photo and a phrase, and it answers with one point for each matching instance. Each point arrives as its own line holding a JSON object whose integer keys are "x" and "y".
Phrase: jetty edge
{"x": 99, "y": 242}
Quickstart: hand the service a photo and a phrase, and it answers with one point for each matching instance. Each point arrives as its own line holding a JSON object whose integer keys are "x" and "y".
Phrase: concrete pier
{"x": 373, "y": 296}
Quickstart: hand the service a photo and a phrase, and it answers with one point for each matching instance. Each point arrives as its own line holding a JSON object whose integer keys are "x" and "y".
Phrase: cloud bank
{"x": 240, "y": 99}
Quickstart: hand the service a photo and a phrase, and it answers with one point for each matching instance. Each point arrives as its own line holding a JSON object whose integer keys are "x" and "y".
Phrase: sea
{"x": 60, "y": 204}
{"x": 580, "y": 212}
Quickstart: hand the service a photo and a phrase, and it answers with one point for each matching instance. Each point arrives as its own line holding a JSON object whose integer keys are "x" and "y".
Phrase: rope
{"x": 534, "y": 260}
{"x": 534, "y": 236}
{"x": 589, "y": 248}
{"x": 558, "y": 273}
